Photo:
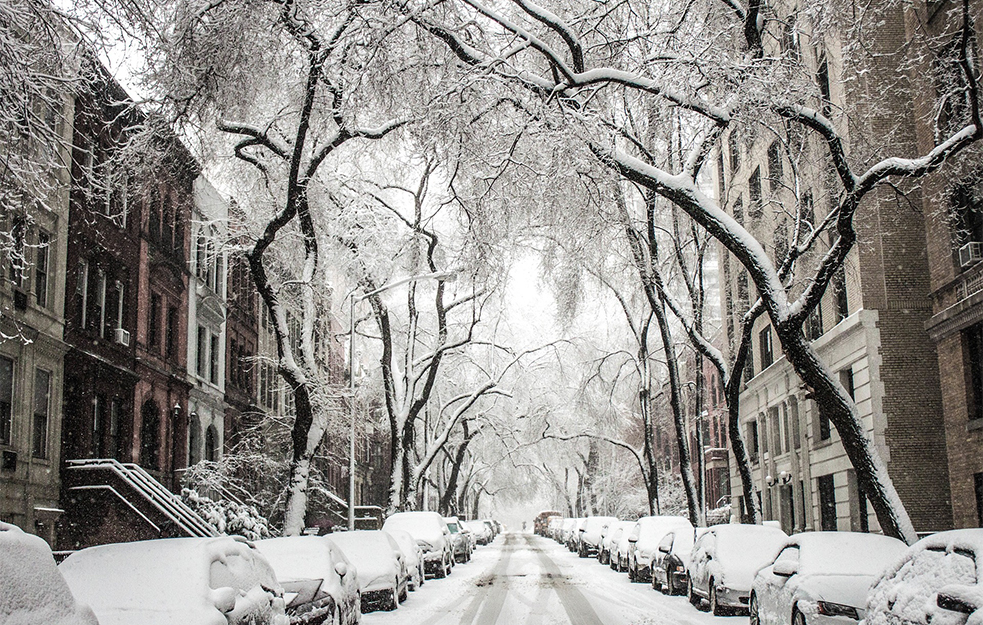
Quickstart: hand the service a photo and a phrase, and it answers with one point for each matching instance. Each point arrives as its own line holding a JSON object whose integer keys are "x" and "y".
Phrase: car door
{"x": 632, "y": 542}
{"x": 774, "y": 606}
{"x": 699, "y": 575}
{"x": 661, "y": 557}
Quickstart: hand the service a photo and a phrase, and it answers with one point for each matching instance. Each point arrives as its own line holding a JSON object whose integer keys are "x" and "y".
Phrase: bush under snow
{"x": 228, "y": 517}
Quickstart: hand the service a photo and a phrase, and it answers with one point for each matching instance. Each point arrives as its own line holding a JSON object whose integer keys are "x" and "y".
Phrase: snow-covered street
{"x": 530, "y": 580}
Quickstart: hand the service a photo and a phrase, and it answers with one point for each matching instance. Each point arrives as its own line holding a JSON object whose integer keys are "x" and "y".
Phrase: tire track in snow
{"x": 490, "y": 585}
{"x": 578, "y": 609}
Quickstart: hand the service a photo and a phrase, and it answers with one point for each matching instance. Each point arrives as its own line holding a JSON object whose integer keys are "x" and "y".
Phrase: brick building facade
{"x": 869, "y": 328}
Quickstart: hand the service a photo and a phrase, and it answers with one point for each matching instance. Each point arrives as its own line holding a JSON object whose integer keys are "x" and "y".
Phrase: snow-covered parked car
{"x": 619, "y": 553}
{"x": 669, "y": 566}
{"x": 573, "y": 538}
{"x": 482, "y": 535}
{"x": 320, "y": 585}
{"x": 937, "y": 580}
{"x": 32, "y": 591}
{"x": 609, "y": 542}
{"x": 591, "y": 533}
{"x": 412, "y": 556}
{"x": 431, "y": 533}
{"x": 382, "y": 574}
{"x": 554, "y": 526}
{"x": 643, "y": 543}
{"x": 821, "y": 578}
{"x": 725, "y": 560}
{"x": 569, "y": 525}
{"x": 191, "y": 581}
{"x": 460, "y": 542}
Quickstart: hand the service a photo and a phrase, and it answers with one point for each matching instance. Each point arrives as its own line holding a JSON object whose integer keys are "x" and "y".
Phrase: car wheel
{"x": 392, "y": 602}
{"x": 715, "y": 608}
{"x": 631, "y": 572}
{"x": 449, "y": 567}
{"x": 693, "y": 597}
{"x": 669, "y": 587}
{"x": 405, "y": 594}
{"x": 798, "y": 618}
{"x": 655, "y": 582}
{"x": 754, "y": 618}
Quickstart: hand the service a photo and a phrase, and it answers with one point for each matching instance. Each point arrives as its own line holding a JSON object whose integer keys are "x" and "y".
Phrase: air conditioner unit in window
{"x": 122, "y": 337}
{"x": 970, "y": 254}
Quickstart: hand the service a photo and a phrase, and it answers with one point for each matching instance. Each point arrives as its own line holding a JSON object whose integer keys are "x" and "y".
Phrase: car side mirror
{"x": 785, "y": 569}
{"x": 663, "y": 549}
{"x": 954, "y": 601}
{"x": 341, "y": 569}
{"x": 225, "y": 599}
{"x": 633, "y": 539}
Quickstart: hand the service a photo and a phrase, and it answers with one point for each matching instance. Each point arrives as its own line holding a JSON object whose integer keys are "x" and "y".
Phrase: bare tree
{"x": 716, "y": 63}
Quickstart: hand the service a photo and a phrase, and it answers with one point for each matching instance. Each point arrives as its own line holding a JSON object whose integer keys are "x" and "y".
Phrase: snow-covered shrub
{"x": 228, "y": 517}
{"x": 719, "y": 515}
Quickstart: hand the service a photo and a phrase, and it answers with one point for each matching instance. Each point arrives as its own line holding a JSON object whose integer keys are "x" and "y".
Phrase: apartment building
{"x": 953, "y": 208}
{"x": 34, "y": 211}
{"x": 869, "y": 329}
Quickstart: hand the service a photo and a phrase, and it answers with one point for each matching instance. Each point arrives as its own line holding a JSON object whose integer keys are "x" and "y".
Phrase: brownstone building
{"x": 127, "y": 303}
{"x": 954, "y": 211}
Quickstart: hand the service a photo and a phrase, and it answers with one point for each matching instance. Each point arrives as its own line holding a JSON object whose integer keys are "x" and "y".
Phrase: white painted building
{"x": 207, "y": 308}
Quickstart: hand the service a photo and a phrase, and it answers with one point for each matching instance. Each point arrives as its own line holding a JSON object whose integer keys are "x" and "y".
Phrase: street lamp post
{"x": 446, "y": 276}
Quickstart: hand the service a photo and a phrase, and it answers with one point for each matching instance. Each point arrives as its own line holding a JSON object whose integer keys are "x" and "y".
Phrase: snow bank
{"x": 32, "y": 591}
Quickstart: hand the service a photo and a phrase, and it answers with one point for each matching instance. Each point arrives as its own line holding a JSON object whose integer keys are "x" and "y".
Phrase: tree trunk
{"x": 835, "y": 404}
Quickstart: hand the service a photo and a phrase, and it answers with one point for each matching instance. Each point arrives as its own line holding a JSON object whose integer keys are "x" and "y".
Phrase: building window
{"x": 754, "y": 193}
{"x": 41, "y": 269}
{"x": 115, "y": 435}
{"x": 120, "y": 300}
{"x": 200, "y": 355}
{"x": 101, "y": 302}
{"x": 96, "y": 445}
{"x": 172, "y": 324}
{"x": 213, "y": 360}
{"x": 194, "y": 440}
{"x": 167, "y": 221}
{"x": 752, "y": 440}
{"x": 201, "y": 255}
{"x": 82, "y": 290}
{"x": 775, "y": 169}
{"x": 211, "y": 444}
{"x": 42, "y": 402}
{"x": 774, "y": 425}
{"x": 793, "y": 417}
{"x": 841, "y": 303}
{"x": 739, "y": 211}
{"x": 6, "y": 399}
{"x": 822, "y": 81}
{"x": 150, "y": 435}
{"x": 153, "y": 335}
{"x": 154, "y": 220}
{"x": 18, "y": 251}
{"x": 966, "y": 218}
{"x": 846, "y": 379}
{"x": 973, "y": 341}
{"x": 827, "y": 503}
{"x": 765, "y": 348}
{"x": 734, "y": 147}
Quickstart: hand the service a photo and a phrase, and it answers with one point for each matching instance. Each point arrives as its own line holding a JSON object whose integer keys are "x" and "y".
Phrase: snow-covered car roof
{"x": 845, "y": 553}
{"x": 168, "y": 581}
{"x": 426, "y": 526}
{"x": 735, "y": 542}
{"x": 907, "y": 590}
{"x": 374, "y": 554}
{"x": 478, "y": 527}
{"x": 32, "y": 590}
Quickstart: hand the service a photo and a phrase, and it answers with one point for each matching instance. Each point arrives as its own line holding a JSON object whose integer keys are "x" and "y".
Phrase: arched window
{"x": 150, "y": 435}
{"x": 211, "y": 444}
{"x": 194, "y": 440}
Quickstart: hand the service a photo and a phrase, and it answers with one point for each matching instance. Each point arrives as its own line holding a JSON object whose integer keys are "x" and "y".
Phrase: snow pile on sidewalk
{"x": 32, "y": 591}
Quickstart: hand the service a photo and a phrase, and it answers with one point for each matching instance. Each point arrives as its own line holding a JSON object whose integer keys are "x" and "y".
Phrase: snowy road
{"x": 524, "y": 579}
